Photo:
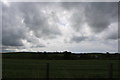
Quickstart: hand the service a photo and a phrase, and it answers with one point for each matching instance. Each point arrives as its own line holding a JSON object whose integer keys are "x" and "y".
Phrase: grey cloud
{"x": 100, "y": 15}
{"x": 14, "y": 31}
{"x": 4, "y": 50}
{"x": 113, "y": 36}
{"x": 37, "y": 46}
{"x": 35, "y": 42}
{"x": 77, "y": 18}
{"x": 38, "y": 21}
{"x": 0, "y": 25}
{"x": 71, "y": 5}
{"x": 78, "y": 39}
{"x": 119, "y": 45}
{"x": 119, "y": 20}
{"x": 11, "y": 48}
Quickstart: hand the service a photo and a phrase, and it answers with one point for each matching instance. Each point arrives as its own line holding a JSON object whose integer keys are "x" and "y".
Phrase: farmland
{"x": 36, "y": 68}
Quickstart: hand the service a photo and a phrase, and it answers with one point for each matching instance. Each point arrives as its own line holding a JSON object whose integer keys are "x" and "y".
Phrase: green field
{"x": 30, "y": 68}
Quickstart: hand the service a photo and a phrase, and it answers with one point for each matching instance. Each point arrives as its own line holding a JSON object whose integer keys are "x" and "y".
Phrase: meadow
{"x": 31, "y": 68}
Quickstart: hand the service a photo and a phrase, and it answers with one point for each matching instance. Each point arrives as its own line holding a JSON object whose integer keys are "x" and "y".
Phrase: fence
{"x": 81, "y": 71}
{"x": 60, "y": 69}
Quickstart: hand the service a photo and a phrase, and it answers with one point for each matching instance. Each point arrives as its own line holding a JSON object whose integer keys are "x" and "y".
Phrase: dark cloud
{"x": 21, "y": 18}
{"x": 78, "y": 39}
{"x": 72, "y": 5}
{"x": 113, "y": 36}
{"x": 12, "y": 29}
{"x": 119, "y": 45}
{"x": 100, "y": 15}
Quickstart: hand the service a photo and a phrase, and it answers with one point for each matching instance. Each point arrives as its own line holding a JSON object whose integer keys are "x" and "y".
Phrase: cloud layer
{"x": 47, "y": 25}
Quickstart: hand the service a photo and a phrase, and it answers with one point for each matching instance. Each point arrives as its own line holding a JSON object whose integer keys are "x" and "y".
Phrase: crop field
{"x": 30, "y": 68}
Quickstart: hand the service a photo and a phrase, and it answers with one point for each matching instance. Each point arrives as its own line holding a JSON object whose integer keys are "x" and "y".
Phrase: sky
{"x": 60, "y": 26}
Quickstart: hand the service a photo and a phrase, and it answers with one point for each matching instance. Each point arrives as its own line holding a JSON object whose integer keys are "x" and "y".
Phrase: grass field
{"x": 29, "y": 68}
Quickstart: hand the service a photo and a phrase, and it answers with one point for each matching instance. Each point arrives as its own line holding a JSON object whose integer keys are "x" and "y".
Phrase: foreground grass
{"x": 29, "y": 68}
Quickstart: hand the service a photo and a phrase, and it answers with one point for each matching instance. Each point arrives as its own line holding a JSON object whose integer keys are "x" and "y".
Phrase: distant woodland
{"x": 61, "y": 56}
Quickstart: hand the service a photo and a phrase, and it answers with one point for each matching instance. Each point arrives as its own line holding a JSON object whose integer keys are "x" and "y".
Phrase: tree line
{"x": 61, "y": 55}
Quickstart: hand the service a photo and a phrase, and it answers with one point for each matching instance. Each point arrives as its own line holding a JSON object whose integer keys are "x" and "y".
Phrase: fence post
{"x": 47, "y": 71}
{"x": 111, "y": 71}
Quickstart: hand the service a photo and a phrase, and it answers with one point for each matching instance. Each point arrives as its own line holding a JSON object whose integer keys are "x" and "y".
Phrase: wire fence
{"x": 54, "y": 69}
{"x": 81, "y": 71}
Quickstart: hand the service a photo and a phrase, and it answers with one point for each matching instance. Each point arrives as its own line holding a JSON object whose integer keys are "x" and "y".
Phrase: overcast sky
{"x": 60, "y": 26}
